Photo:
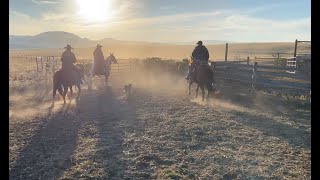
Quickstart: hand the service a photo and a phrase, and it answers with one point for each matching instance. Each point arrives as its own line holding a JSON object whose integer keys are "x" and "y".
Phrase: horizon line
{"x": 167, "y": 42}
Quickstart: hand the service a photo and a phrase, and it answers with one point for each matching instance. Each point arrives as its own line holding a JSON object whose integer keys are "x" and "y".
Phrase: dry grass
{"x": 159, "y": 133}
{"x": 217, "y": 52}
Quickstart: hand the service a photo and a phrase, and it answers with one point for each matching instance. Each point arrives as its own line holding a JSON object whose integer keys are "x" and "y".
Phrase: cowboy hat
{"x": 68, "y": 47}
{"x": 99, "y": 45}
{"x": 199, "y": 42}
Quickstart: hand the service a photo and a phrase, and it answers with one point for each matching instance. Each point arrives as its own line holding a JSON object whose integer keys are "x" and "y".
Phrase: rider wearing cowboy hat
{"x": 199, "y": 54}
{"x": 68, "y": 59}
{"x": 98, "y": 60}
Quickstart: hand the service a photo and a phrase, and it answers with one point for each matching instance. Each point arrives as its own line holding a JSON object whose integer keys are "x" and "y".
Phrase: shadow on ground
{"x": 47, "y": 152}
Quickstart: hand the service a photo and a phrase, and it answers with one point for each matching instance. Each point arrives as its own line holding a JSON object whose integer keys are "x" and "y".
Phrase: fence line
{"x": 257, "y": 74}
{"x": 261, "y": 77}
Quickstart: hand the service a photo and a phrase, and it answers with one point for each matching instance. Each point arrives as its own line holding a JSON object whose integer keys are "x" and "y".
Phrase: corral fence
{"x": 262, "y": 75}
{"x": 48, "y": 65}
{"x": 124, "y": 65}
{"x": 276, "y": 72}
{"x": 53, "y": 63}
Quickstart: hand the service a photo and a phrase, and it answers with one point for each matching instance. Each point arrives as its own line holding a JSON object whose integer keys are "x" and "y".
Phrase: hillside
{"x": 52, "y": 43}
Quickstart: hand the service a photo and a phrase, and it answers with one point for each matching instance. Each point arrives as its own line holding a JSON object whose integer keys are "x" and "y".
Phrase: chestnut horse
{"x": 203, "y": 76}
{"x": 67, "y": 80}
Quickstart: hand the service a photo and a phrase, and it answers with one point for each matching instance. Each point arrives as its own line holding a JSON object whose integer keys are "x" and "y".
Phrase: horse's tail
{"x": 57, "y": 82}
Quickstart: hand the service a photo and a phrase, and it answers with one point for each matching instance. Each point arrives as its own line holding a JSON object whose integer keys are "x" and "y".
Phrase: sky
{"x": 165, "y": 20}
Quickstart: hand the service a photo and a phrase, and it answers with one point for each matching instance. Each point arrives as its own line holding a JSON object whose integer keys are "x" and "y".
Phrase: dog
{"x": 128, "y": 89}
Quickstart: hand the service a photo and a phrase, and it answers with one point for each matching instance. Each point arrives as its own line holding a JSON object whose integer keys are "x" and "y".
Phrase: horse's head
{"x": 111, "y": 58}
{"x": 185, "y": 60}
{"x": 81, "y": 69}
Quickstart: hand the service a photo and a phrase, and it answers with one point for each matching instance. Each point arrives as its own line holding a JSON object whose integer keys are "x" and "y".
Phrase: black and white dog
{"x": 128, "y": 89}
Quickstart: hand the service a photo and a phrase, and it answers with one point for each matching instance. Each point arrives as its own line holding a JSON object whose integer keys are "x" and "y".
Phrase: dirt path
{"x": 157, "y": 135}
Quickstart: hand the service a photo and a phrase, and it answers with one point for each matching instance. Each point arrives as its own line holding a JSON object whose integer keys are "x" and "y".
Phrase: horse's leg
{"x": 208, "y": 87}
{"x": 190, "y": 83}
{"x": 202, "y": 88}
{"x": 197, "y": 91}
{"x": 106, "y": 75}
{"x": 54, "y": 92}
{"x": 79, "y": 91}
{"x": 71, "y": 91}
{"x": 56, "y": 86}
{"x": 65, "y": 90}
{"x": 90, "y": 79}
{"x": 105, "y": 80}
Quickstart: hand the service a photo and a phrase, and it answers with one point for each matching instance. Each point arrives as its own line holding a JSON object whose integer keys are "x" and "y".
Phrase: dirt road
{"x": 155, "y": 134}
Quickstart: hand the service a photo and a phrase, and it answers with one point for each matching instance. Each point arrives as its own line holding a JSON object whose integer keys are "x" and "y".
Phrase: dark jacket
{"x": 98, "y": 55}
{"x": 200, "y": 52}
{"x": 67, "y": 59}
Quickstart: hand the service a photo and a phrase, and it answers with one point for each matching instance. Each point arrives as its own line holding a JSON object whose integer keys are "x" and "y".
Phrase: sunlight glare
{"x": 95, "y": 10}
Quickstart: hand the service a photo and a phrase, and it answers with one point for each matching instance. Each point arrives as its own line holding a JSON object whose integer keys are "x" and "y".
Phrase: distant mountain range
{"x": 205, "y": 42}
{"x": 59, "y": 39}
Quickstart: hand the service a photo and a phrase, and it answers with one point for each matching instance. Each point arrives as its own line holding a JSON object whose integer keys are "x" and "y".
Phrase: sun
{"x": 95, "y": 10}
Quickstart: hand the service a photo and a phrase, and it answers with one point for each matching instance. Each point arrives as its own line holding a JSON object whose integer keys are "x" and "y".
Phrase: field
{"x": 158, "y": 133}
{"x": 217, "y": 52}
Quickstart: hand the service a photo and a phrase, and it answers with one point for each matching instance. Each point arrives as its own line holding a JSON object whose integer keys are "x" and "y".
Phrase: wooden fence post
{"x": 226, "y": 53}
{"x": 248, "y": 59}
{"x": 295, "y": 48}
{"x": 41, "y": 64}
{"x": 53, "y": 65}
{"x": 37, "y": 64}
{"x": 46, "y": 77}
{"x": 254, "y": 76}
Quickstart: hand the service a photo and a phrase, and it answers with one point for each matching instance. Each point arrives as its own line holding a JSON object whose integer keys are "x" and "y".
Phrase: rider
{"x": 98, "y": 60}
{"x": 199, "y": 54}
{"x": 68, "y": 59}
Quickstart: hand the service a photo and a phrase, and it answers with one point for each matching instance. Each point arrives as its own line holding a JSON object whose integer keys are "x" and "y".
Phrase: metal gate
{"x": 292, "y": 64}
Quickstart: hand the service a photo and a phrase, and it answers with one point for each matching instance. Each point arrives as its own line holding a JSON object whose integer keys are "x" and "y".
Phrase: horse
{"x": 183, "y": 66}
{"x": 106, "y": 69}
{"x": 60, "y": 80}
{"x": 202, "y": 75}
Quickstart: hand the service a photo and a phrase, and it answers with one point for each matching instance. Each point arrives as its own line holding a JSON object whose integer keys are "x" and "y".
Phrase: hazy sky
{"x": 165, "y": 20}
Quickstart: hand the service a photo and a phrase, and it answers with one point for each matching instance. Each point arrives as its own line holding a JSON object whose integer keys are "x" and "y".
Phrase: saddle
{"x": 198, "y": 63}
{"x": 71, "y": 76}
{"x": 101, "y": 68}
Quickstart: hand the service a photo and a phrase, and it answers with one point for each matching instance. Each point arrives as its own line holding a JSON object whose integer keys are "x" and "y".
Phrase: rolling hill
{"x": 58, "y": 39}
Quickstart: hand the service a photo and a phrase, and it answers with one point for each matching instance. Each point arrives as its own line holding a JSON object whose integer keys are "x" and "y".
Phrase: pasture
{"x": 160, "y": 132}
{"x": 169, "y": 51}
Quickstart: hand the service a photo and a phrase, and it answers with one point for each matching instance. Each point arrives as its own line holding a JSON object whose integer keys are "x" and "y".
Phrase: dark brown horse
{"x": 67, "y": 80}
{"x": 203, "y": 76}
